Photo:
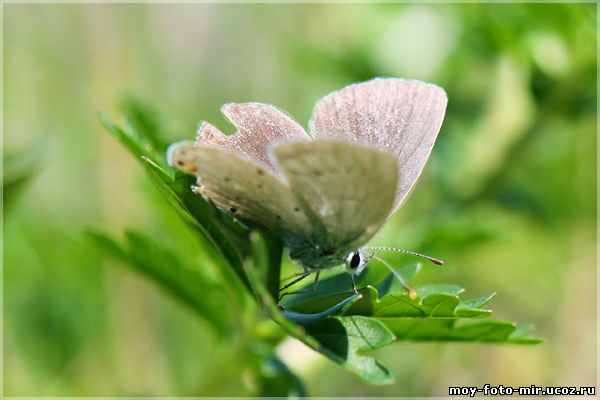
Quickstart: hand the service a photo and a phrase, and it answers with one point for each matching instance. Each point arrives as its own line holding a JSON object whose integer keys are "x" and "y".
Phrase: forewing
{"x": 399, "y": 116}
{"x": 258, "y": 126}
{"x": 240, "y": 186}
{"x": 348, "y": 187}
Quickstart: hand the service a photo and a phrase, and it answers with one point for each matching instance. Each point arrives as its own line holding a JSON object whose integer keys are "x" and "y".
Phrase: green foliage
{"x": 222, "y": 231}
{"x": 344, "y": 339}
{"x": 330, "y": 319}
{"x": 277, "y": 379}
{"x": 19, "y": 168}
{"x": 166, "y": 269}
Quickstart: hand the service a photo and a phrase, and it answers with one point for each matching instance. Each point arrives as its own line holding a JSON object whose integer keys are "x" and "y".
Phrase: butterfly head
{"x": 356, "y": 262}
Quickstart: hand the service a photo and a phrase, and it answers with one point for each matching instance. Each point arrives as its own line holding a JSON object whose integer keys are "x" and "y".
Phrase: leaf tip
{"x": 105, "y": 120}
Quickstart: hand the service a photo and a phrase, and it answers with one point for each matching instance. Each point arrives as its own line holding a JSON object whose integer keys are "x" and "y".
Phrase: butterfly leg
{"x": 317, "y": 275}
{"x": 316, "y": 284}
{"x": 292, "y": 283}
{"x": 287, "y": 278}
{"x": 353, "y": 284}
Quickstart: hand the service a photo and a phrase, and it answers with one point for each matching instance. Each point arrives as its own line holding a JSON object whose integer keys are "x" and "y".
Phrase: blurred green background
{"x": 508, "y": 198}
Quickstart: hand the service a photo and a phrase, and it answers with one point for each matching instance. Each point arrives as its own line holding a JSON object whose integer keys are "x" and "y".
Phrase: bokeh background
{"x": 508, "y": 198}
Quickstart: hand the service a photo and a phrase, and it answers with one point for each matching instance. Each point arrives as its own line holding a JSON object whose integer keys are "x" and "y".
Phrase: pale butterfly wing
{"x": 258, "y": 126}
{"x": 372, "y": 141}
{"x": 349, "y": 188}
{"x": 241, "y": 186}
{"x": 396, "y": 115}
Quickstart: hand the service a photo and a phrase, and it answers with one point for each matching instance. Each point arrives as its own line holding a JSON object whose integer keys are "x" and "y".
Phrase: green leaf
{"x": 277, "y": 380}
{"x": 126, "y": 138}
{"x": 307, "y": 319}
{"x": 165, "y": 269}
{"x": 472, "y": 308}
{"x": 329, "y": 292}
{"x": 425, "y": 329}
{"x": 482, "y": 331}
{"x": 427, "y": 290}
{"x": 433, "y": 305}
{"x": 398, "y": 305}
{"x": 332, "y": 290}
{"x": 521, "y": 335}
{"x": 439, "y": 305}
{"x": 344, "y": 339}
{"x": 435, "y": 315}
{"x": 476, "y": 303}
{"x": 142, "y": 120}
{"x": 267, "y": 250}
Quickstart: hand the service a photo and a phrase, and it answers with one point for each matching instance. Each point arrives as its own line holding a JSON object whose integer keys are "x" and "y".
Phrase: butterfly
{"x": 327, "y": 193}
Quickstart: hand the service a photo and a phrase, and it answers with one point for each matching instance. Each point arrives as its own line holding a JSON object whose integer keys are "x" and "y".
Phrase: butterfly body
{"x": 314, "y": 257}
{"x": 325, "y": 194}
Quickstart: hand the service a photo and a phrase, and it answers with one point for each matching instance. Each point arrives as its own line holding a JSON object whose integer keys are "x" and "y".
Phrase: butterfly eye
{"x": 354, "y": 260}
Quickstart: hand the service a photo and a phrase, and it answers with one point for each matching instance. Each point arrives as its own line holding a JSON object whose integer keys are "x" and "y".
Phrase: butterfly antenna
{"x": 411, "y": 293}
{"x": 434, "y": 260}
